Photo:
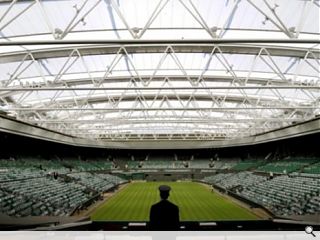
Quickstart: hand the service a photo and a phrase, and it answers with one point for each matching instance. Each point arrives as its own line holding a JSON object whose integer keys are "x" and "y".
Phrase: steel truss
{"x": 131, "y": 87}
{"x": 78, "y": 16}
{"x": 180, "y": 110}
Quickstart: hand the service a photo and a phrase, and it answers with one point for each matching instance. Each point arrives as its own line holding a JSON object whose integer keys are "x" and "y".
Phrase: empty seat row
{"x": 283, "y": 195}
{"x": 49, "y": 196}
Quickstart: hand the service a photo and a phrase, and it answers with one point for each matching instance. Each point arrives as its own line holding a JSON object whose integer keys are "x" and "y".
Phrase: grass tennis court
{"x": 196, "y": 203}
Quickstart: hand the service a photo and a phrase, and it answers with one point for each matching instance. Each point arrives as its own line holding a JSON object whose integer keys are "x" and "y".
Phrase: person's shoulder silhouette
{"x": 164, "y": 215}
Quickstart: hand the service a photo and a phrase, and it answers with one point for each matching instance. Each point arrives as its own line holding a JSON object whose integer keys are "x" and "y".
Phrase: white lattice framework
{"x": 151, "y": 79}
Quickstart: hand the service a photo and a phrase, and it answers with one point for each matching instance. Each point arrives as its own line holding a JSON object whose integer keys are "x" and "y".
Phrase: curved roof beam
{"x": 206, "y": 78}
{"x": 87, "y": 50}
{"x": 81, "y": 78}
{"x": 117, "y": 121}
{"x": 236, "y": 98}
{"x": 262, "y": 79}
{"x": 306, "y": 34}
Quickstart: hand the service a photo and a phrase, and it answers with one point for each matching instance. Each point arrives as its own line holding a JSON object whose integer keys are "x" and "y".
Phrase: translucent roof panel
{"x": 189, "y": 87}
{"x": 158, "y": 19}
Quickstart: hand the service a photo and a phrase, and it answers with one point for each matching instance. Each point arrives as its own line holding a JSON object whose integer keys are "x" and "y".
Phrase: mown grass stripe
{"x": 196, "y": 203}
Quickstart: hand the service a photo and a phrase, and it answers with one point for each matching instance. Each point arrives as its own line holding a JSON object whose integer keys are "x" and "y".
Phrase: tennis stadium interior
{"x": 103, "y": 101}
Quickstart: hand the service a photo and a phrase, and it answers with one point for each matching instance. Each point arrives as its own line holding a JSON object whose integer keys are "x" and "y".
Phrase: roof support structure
{"x": 135, "y": 47}
{"x": 183, "y": 142}
{"x": 137, "y": 87}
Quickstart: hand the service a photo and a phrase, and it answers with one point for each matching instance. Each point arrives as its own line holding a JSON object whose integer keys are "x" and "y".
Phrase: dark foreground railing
{"x": 252, "y": 225}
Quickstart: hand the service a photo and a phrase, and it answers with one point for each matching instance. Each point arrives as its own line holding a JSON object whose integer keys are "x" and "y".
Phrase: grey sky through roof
{"x": 165, "y": 90}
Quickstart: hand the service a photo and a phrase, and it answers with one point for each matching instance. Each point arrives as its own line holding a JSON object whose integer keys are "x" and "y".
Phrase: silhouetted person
{"x": 164, "y": 215}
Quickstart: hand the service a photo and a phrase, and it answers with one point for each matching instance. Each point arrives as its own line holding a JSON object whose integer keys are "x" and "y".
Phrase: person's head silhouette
{"x": 164, "y": 192}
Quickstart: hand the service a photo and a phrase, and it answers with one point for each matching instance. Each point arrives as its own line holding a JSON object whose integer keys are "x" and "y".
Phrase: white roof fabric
{"x": 164, "y": 90}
